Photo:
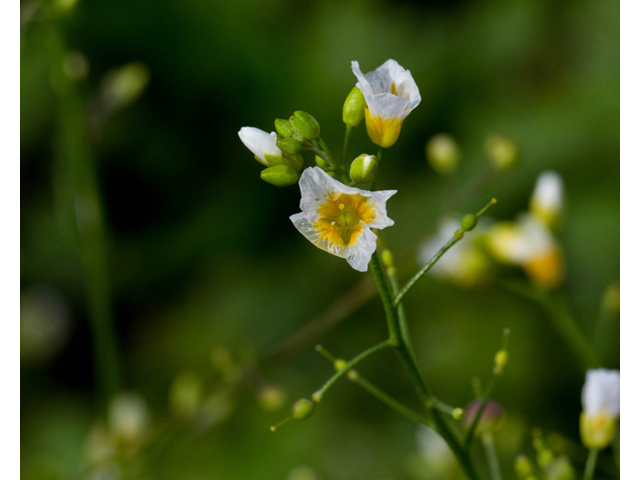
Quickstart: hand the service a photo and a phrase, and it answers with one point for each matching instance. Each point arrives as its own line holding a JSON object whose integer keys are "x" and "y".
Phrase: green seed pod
{"x": 304, "y": 123}
{"x": 284, "y": 128}
{"x": 442, "y": 153}
{"x": 469, "y": 222}
{"x": 280, "y": 175}
{"x": 289, "y": 146}
{"x": 303, "y": 409}
{"x": 353, "y": 108}
{"x": 364, "y": 168}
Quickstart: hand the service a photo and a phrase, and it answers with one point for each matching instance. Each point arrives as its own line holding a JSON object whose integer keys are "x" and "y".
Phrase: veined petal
{"x": 359, "y": 254}
{"x": 260, "y": 143}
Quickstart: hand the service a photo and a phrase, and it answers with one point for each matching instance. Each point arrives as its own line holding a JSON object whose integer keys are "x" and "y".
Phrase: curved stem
{"x": 492, "y": 457}
{"x": 590, "y": 467}
{"x": 347, "y": 137}
{"x": 468, "y": 439}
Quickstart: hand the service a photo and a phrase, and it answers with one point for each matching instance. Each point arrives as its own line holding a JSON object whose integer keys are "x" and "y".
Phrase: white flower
{"x": 464, "y": 263}
{"x": 601, "y": 392}
{"x": 547, "y": 199}
{"x": 391, "y": 94}
{"x": 600, "y": 407}
{"x": 339, "y": 219}
{"x": 128, "y": 416}
{"x": 262, "y": 144}
{"x": 529, "y": 243}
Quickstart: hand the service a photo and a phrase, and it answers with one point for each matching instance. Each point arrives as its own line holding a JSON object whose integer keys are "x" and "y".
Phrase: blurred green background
{"x": 197, "y": 255}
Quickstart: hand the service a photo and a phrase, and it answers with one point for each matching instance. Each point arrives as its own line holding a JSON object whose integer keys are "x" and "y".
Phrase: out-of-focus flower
{"x": 186, "y": 393}
{"x": 560, "y": 468}
{"x": 547, "y": 200}
{"x": 128, "y": 417}
{"x": 271, "y": 397}
{"x": 44, "y": 324}
{"x": 600, "y": 407}
{"x": 611, "y": 299}
{"x": 466, "y": 263}
{"x": 338, "y": 219}
{"x": 434, "y": 451}
{"x": 215, "y": 409}
{"x": 490, "y": 419}
{"x": 502, "y": 151}
{"x": 262, "y": 145}
{"x": 442, "y": 153}
{"x": 100, "y": 447}
{"x": 530, "y": 244}
{"x": 391, "y": 94}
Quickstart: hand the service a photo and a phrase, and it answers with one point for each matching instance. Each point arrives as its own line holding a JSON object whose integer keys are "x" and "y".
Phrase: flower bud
{"x": 611, "y": 299}
{"x": 560, "y": 469}
{"x": 280, "y": 175}
{"x": 186, "y": 393}
{"x": 284, "y": 127}
{"x": 289, "y": 146}
{"x": 353, "y": 108}
{"x": 339, "y": 364}
{"x": 321, "y": 162}
{"x": 458, "y": 413}
{"x": 442, "y": 153}
{"x": 523, "y": 467}
{"x": 387, "y": 258}
{"x": 128, "y": 417}
{"x": 271, "y": 397}
{"x": 469, "y": 222}
{"x": 501, "y": 359}
{"x": 502, "y": 152}
{"x": 491, "y": 415}
{"x": 364, "y": 168}
{"x": 597, "y": 431}
{"x": 304, "y": 123}
{"x": 303, "y": 409}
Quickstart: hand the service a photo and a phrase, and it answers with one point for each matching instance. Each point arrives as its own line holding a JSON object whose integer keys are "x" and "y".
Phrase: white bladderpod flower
{"x": 338, "y": 219}
{"x": 547, "y": 200}
{"x": 529, "y": 243}
{"x": 262, "y": 145}
{"x": 391, "y": 94}
{"x": 600, "y": 407}
{"x": 465, "y": 263}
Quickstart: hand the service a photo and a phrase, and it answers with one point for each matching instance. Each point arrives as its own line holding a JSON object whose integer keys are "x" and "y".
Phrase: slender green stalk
{"x": 408, "y": 361}
{"x": 492, "y": 457}
{"x": 347, "y": 137}
{"x": 319, "y": 394}
{"x": 444, "y": 407}
{"x": 590, "y": 467}
{"x": 77, "y": 169}
{"x": 558, "y": 312}
{"x": 468, "y": 439}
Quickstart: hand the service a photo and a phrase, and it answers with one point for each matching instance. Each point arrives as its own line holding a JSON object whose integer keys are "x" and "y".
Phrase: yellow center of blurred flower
{"x": 546, "y": 269}
{"x": 343, "y": 218}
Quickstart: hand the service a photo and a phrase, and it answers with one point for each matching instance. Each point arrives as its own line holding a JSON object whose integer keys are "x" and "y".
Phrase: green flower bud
{"x": 501, "y": 359}
{"x": 469, "y": 222}
{"x": 458, "y": 413}
{"x": 353, "y": 108}
{"x": 387, "y": 257}
{"x": 502, "y": 151}
{"x": 289, "y": 146}
{"x": 560, "y": 469}
{"x": 491, "y": 415}
{"x": 303, "y": 409}
{"x": 339, "y": 364}
{"x": 321, "y": 162}
{"x": 284, "y": 127}
{"x": 271, "y": 397}
{"x": 280, "y": 175}
{"x": 304, "y": 123}
{"x": 442, "y": 153}
{"x": 523, "y": 467}
{"x": 364, "y": 168}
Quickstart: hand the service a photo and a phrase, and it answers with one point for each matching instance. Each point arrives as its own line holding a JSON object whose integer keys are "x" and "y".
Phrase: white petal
{"x": 601, "y": 392}
{"x": 316, "y": 186}
{"x": 359, "y": 254}
{"x": 260, "y": 143}
{"x": 548, "y": 193}
{"x": 307, "y": 229}
{"x": 380, "y": 207}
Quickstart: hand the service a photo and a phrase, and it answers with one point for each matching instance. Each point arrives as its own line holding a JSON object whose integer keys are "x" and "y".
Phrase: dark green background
{"x": 201, "y": 252}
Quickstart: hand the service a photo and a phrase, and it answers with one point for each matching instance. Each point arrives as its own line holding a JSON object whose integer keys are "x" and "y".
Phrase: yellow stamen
{"x": 342, "y": 219}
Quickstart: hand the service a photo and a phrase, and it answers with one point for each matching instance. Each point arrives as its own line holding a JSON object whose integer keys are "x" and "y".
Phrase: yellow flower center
{"x": 343, "y": 218}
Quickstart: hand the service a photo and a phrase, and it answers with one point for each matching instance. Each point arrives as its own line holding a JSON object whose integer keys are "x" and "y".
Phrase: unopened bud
{"x": 321, "y": 162}
{"x": 387, "y": 258}
{"x": 501, "y": 358}
{"x": 284, "y": 127}
{"x": 289, "y": 146}
{"x": 502, "y": 152}
{"x": 339, "y": 364}
{"x": 306, "y": 124}
{"x": 271, "y": 397}
{"x": 280, "y": 175}
{"x": 597, "y": 431}
{"x": 458, "y": 413}
{"x": 364, "y": 168}
{"x": 469, "y": 222}
{"x": 560, "y": 469}
{"x": 303, "y": 409}
{"x": 353, "y": 108}
{"x": 186, "y": 393}
{"x": 523, "y": 467}
{"x": 489, "y": 420}
{"x": 442, "y": 153}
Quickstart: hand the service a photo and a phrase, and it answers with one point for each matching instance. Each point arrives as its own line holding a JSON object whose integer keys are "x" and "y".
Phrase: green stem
{"x": 558, "y": 311}
{"x": 319, "y": 394}
{"x": 492, "y": 457}
{"x": 590, "y": 467}
{"x": 468, "y": 439}
{"x": 347, "y": 137}
{"x": 408, "y": 361}
{"x": 77, "y": 169}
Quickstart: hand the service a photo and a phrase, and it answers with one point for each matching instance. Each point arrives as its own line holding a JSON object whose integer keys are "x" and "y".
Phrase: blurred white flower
{"x": 391, "y": 94}
{"x": 465, "y": 263}
{"x": 262, "y": 144}
{"x": 547, "y": 200}
{"x": 434, "y": 451}
{"x": 600, "y": 407}
{"x": 338, "y": 219}
{"x": 128, "y": 417}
